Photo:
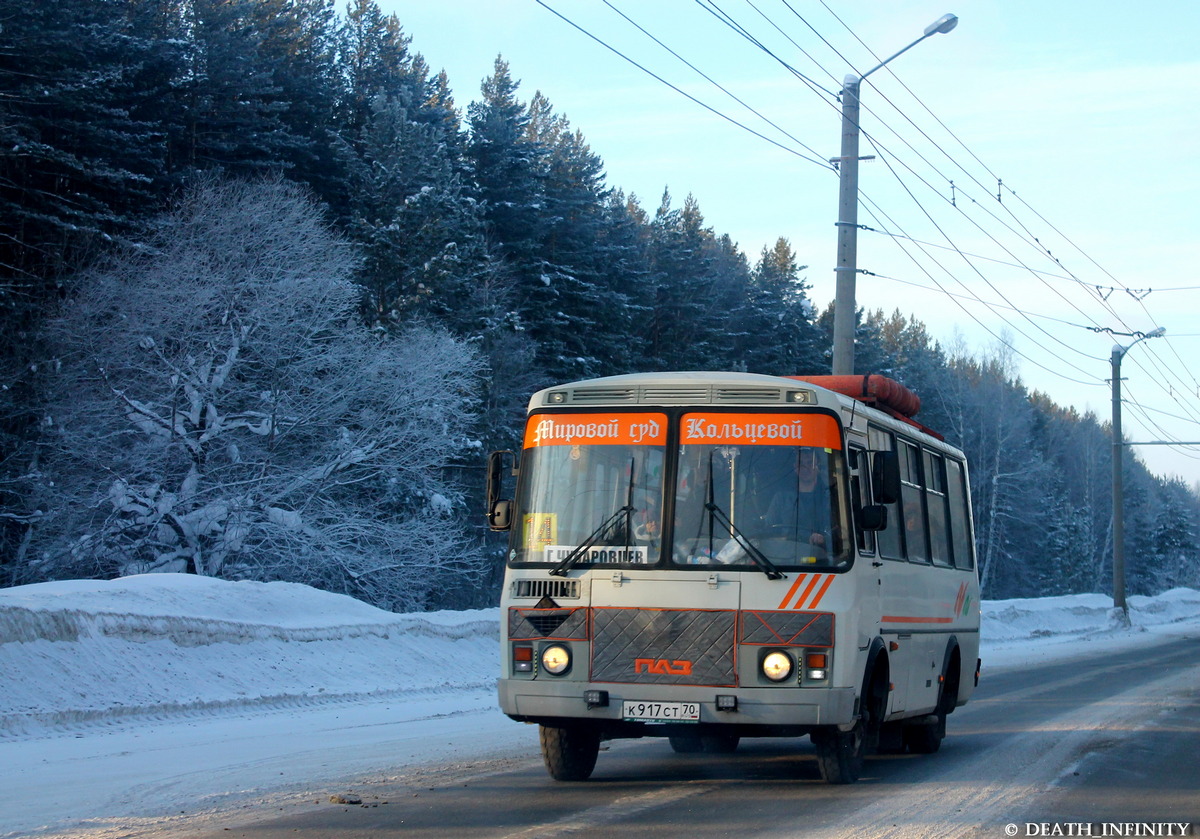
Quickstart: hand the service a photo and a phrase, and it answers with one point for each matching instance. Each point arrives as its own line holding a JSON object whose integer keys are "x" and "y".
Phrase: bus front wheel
{"x": 840, "y": 753}
{"x": 569, "y": 752}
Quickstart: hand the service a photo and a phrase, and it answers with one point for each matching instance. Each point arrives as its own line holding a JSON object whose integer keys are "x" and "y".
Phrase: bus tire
{"x": 569, "y": 752}
{"x": 685, "y": 744}
{"x": 720, "y": 744}
{"x": 891, "y": 739}
{"x": 926, "y": 737}
{"x": 840, "y": 753}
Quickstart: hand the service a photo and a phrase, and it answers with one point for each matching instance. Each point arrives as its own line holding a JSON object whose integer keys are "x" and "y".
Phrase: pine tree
{"x": 508, "y": 168}
{"x": 592, "y": 330}
{"x": 777, "y": 333}
{"x": 421, "y": 229}
{"x": 76, "y": 164}
{"x": 679, "y": 333}
{"x": 375, "y": 60}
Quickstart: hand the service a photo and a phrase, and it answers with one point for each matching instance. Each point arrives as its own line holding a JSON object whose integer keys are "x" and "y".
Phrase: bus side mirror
{"x": 500, "y": 515}
{"x": 872, "y": 517}
{"x": 885, "y": 476}
{"x": 499, "y": 510}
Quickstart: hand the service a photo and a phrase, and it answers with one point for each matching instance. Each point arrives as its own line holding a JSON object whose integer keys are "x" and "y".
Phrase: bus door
{"x": 868, "y": 569}
{"x": 895, "y": 576}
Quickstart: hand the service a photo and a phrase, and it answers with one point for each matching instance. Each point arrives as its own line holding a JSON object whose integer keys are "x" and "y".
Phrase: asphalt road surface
{"x": 1106, "y": 739}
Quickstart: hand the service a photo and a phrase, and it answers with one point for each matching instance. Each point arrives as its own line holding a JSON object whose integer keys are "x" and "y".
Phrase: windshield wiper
{"x": 757, "y": 556}
{"x": 578, "y": 553}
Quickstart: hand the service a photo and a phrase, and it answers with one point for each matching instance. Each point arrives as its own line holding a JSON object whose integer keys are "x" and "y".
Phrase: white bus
{"x": 711, "y": 556}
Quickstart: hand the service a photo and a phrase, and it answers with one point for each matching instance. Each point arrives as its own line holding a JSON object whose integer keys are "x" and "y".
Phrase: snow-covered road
{"x": 130, "y": 706}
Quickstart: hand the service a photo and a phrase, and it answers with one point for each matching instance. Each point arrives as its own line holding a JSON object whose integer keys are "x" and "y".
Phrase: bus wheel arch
{"x": 925, "y": 737}
{"x": 951, "y": 677}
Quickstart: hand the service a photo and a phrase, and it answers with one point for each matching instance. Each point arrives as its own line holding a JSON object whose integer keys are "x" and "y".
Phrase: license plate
{"x": 635, "y": 711}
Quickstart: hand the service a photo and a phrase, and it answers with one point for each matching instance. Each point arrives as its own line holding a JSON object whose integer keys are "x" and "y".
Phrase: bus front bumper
{"x": 549, "y": 702}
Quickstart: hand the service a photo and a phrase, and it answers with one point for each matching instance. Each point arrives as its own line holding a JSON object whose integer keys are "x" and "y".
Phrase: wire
{"x": 1000, "y": 339}
{"x": 823, "y": 164}
{"x": 981, "y": 275}
{"x": 1167, "y": 370}
{"x": 715, "y": 83}
{"x": 970, "y": 297}
{"x": 713, "y": 9}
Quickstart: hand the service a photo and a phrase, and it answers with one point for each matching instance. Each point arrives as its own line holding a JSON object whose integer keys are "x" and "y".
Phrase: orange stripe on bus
{"x": 807, "y": 591}
{"x": 783, "y": 603}
{"x": 816, "y": 601}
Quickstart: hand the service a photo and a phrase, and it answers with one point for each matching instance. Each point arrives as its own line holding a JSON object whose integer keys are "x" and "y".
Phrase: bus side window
{"x": 960, "y": 516}
{"x": 860, "y": 493}
{"x": 912, "y": 496}
{"x": 889, "y": 539}
{"x": 935, "y": 503}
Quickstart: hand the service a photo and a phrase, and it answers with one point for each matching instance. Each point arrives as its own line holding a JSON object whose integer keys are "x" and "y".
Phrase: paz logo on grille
{"x": 675, "y": 667}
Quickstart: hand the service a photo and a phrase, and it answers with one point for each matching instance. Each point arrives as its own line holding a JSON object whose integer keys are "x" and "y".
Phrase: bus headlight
{"x": 777, "y": 666}
{"x": 556, "y": 659}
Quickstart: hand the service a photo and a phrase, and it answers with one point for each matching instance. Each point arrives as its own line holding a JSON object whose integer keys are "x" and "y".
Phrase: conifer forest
{"x": 270, "y": 293}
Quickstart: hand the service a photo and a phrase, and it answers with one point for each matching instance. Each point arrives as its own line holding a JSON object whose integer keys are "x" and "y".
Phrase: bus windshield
{"x": 749, "y": 490}
{"x": 751, "y": 487}
{"x": 591, "y": 489}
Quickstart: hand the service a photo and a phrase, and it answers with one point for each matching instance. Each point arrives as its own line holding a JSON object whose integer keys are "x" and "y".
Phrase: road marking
{"x": 622, "y": 808}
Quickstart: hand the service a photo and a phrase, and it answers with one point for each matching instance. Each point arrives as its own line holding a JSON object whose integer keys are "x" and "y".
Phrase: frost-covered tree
{"x": 776, "y": 334}
{"x": 220, "y": 410}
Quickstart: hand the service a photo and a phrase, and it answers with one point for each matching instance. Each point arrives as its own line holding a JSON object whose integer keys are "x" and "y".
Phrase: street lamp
{"x": 1118, "y": 462}
{"x": 847, "y": 262}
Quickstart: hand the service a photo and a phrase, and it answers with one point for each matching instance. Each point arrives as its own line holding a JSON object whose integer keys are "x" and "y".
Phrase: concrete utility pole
{"x": 847, "y": 261}
{"x": 1118, "y": 464}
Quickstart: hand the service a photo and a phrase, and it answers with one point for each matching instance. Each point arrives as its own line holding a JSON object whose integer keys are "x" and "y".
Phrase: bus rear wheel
{"x": 569, "y": 752}
{"x": 720, "y": 744}
{"x": 685, "y": 744}
{"x": 925, "y": 737}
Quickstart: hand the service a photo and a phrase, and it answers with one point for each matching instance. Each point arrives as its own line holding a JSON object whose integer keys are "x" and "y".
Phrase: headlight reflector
{"x": 777, "y": 665}
{"x": 556, "y": 659}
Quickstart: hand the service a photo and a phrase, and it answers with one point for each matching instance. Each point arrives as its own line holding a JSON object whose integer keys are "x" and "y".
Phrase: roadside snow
{"x": 128, "y": 700}
{"x": 160, "y": 645}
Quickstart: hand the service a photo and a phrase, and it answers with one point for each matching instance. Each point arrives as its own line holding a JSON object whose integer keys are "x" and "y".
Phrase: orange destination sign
{"x": 596, "y": 430}
{"x": 721, "y": 429}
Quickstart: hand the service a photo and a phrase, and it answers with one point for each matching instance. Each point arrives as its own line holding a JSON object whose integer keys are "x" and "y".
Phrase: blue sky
{"x": 1085, "y": 112}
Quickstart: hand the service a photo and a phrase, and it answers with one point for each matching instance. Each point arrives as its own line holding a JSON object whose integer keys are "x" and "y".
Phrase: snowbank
{"x": 172, "y": 644}
{"x": 1012, "y": 630}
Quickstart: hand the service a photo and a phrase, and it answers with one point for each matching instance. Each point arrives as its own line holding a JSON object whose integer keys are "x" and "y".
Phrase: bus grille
{"x": 556, "y": 589}
{"x": 563, "y": 624}
{"x": 664, "y": 646}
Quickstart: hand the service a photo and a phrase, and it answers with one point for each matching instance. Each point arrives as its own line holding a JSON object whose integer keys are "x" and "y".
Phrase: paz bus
{"x": 706, "y": 557}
